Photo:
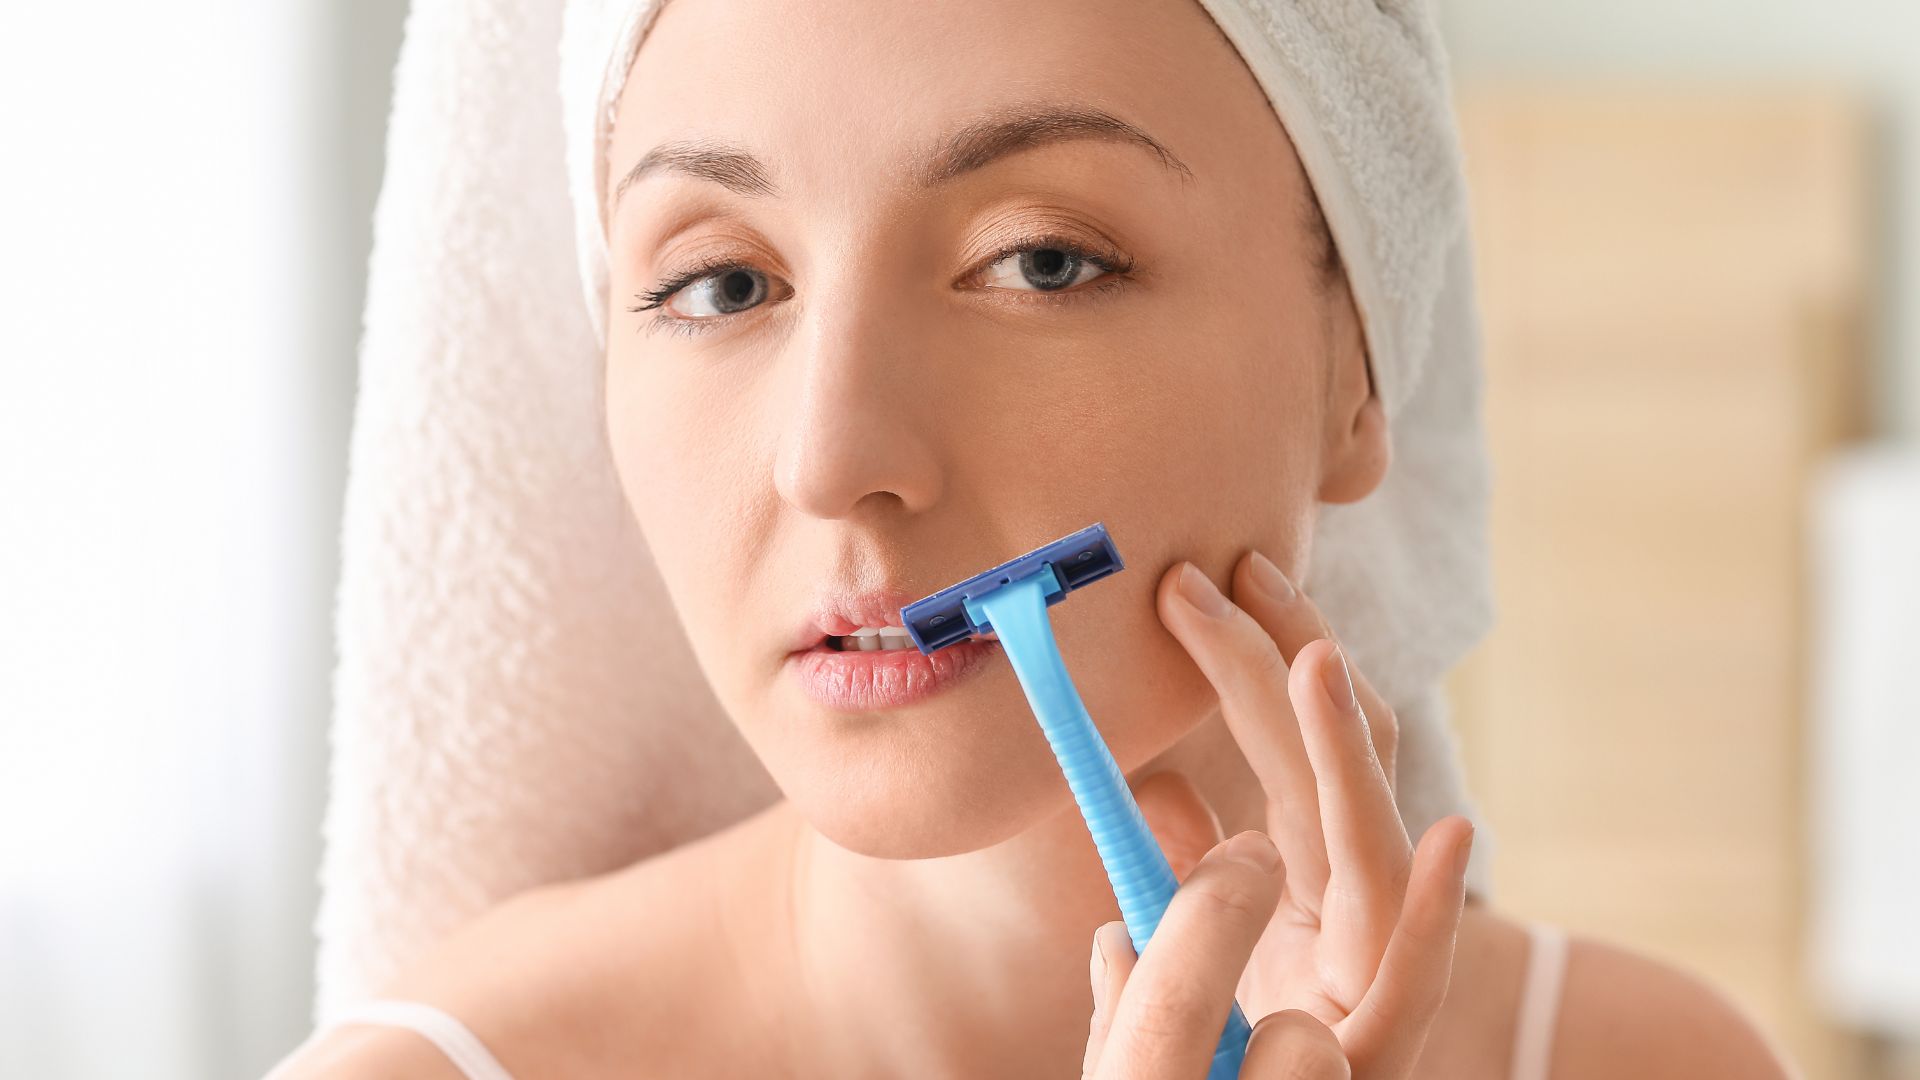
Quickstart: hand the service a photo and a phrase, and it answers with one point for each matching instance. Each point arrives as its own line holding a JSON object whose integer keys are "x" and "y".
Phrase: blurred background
{"x": 1691, "y": 731}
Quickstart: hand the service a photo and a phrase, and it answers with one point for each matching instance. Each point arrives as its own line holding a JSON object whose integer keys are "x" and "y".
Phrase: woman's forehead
{"x": 748, "y": 92}
{"x": 969, "y": 146}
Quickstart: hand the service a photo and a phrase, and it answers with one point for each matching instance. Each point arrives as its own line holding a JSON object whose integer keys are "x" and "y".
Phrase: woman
{"x": 891, "y": 293}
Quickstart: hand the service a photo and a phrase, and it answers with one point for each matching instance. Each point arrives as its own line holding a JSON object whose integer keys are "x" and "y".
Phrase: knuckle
{"x": 1428, "y": 935}
{"x": 1265, "y": 661}
{"x": 1379, "y": 1014}
{"x": 1414, "y": 1008}
{"x": 1342, "y": 893}
{"x": 1231, "y": 898}
{"x": 1168, "y": 1015}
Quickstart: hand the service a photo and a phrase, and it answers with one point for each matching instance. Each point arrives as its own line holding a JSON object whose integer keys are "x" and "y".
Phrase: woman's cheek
{"x": 680, "y": 516}
{"x": 1138, "y": 683}
{"x": 664, "y": 461}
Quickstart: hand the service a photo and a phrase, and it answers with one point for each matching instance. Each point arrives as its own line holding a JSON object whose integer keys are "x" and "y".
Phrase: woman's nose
{"x": 864, "y": 422}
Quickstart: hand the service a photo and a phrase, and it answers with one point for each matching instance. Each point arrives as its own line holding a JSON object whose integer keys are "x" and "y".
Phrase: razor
{"x": 1011, "y": 600}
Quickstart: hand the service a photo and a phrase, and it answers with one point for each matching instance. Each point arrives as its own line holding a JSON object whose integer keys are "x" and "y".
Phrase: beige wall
{"x": 1870, "y": 48}
{"x": 1673, "y": 284}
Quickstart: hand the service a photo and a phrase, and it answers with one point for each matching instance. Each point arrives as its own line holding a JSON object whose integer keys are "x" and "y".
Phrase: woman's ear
{"x": 1358, "y": 449}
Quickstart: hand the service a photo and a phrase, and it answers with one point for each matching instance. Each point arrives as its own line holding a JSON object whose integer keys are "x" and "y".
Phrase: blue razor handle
{"x": 1012, "y": 600}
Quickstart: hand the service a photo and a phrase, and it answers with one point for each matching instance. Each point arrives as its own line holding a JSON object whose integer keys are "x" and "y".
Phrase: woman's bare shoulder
{"x": 1626, "y": 1014}
{"x": 622, "y": 966}
{"x": 562, "y": 979}
{"x": 1620, "y": 1014}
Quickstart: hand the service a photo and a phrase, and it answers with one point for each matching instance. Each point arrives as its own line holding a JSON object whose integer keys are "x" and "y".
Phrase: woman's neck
{"x": 921, "y": 966}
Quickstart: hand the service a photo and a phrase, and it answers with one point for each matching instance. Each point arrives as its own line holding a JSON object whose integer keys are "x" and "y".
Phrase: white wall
{"x": 184, "y": 214}
{"x": 1872, "y": 46}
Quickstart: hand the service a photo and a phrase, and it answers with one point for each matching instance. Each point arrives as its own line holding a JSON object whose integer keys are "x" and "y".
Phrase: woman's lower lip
{"x": 885, "y": 678}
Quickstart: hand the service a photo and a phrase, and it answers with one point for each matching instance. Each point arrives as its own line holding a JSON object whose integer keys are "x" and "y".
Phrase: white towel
{"x": 515, "y": 702}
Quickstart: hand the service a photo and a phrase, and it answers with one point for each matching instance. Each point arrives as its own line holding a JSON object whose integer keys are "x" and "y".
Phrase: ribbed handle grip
{"x": 1143, "y": 882}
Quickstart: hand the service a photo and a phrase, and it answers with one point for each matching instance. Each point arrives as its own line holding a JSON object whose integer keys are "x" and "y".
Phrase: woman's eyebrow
{"x": 973, "y": 146}
{"x": 995, "y": 136}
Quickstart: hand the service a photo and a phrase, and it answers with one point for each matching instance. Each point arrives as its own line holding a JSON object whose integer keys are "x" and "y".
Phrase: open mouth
{"x": 873, "y": 671}
{"x": 869, "y": 643}
{"x": 885, "y": 641}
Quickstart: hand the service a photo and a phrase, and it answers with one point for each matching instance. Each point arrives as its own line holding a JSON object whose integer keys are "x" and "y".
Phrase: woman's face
{"x": 968, "y": 310}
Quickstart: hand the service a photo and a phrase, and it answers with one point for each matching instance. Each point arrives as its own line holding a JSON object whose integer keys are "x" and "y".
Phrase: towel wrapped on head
{"x": 515, "y": 702}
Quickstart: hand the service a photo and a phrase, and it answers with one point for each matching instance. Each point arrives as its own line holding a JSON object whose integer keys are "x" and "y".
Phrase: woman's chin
{"x": 963, "y": 771}
{"x": 902, "y": 810}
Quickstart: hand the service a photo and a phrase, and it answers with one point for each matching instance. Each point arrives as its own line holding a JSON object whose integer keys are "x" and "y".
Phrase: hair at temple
{"x": 1326, "y": 253}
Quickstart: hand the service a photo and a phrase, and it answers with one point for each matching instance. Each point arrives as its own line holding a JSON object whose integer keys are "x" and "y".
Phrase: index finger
{"x": 1294, "y": 620}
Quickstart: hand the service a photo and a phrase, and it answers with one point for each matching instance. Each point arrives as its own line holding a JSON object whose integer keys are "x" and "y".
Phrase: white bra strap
{"x": 1539, "y": 1001}
{"x": 441, "y": 1029}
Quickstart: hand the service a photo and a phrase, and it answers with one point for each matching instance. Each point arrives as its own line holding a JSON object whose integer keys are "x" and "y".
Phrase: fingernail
{"x": 1201, "y": 593}
{"x": 1098, "y": 968}
{"x": 1466, "y": 850}
{"x": 1268, "y": 579}
{"x": 1338, "y": 682}
{"x": 1254, "y": 849}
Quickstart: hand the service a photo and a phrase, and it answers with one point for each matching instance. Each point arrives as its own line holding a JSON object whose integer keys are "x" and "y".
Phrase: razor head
{"x": 1077, "y": 559}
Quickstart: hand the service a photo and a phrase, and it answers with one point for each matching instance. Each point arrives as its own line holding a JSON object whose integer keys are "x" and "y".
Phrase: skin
{"x": 900, "y": 408}
{"x": 1336, "y": 936}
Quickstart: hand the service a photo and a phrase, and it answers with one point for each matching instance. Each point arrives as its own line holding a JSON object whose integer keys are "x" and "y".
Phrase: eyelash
{"x": 1116, "y": 265}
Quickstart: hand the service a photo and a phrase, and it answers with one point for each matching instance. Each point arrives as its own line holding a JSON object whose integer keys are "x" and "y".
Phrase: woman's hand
{"x": 1160, "y": 1016}
{"x": 1357, "y": 932}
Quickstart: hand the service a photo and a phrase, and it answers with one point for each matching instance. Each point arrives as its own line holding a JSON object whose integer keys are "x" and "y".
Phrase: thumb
{"x": 1181, "y": 820}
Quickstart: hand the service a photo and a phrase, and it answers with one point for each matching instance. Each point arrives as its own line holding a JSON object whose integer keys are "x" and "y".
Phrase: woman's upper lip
{"x": 837, "y": 613}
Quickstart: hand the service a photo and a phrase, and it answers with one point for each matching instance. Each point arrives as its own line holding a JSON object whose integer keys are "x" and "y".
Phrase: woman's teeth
{"x": 873, "y": 639}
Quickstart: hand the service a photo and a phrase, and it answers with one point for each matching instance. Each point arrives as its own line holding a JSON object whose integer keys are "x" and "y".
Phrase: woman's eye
{"x": 1042, "y": 269}
{"x": 724, "y": 292}
{"x": 704, "y": 297}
